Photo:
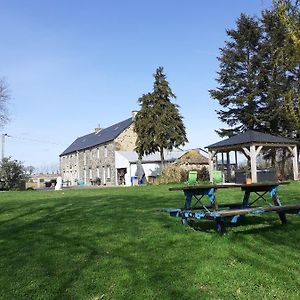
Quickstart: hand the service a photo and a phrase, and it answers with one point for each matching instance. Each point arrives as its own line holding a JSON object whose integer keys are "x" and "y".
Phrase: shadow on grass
{"x": 118, "y": 244}
{"x": 76, "y": 248}
{"x": 248, "y": 225}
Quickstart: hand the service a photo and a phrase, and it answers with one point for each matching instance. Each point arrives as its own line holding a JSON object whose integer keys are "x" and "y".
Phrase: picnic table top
{"x": 228, "y": 185}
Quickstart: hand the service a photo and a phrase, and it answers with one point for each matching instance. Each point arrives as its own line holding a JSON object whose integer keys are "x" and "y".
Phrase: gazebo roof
{"x": 252, "y": 137}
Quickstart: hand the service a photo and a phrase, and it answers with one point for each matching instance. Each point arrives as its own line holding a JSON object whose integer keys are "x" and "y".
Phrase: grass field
{"x": 114, "y": 243}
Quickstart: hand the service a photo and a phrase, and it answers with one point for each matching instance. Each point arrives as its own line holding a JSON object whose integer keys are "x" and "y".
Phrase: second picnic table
{"x": 222, "y": 212}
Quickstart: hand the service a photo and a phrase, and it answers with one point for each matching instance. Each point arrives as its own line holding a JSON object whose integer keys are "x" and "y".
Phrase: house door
{"x": 121, "y": 176}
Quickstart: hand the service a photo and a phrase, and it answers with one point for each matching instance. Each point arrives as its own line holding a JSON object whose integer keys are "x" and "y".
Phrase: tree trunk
{"x": 162, "y": 158}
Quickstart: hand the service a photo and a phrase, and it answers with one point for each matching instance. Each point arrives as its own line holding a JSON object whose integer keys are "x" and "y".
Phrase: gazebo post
{"x": 211, "y": 155}
{"x": 236, "y": 159}
{"x": 294, "y": 153}
{"x": 295, "y": 163}
{"x": 253, "y": 154}
{"x": 253, "y": 164}
{"x": 222, "y": 163}
{"x": 228, "y": 167}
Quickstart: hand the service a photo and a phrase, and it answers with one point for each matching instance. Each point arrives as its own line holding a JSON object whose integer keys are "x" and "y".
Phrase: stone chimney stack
{"x": 98, "y": 129}
{"x": 133, "y": 114}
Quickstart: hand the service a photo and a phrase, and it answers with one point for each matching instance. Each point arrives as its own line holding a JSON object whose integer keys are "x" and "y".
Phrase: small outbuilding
{"x": 192, "y": 159}
{"x": 128, "y": 165}
{"x": 250, "y": 143}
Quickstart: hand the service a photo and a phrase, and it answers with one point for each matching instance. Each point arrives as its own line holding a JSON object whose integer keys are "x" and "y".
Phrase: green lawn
{"x": 114, "y": 243}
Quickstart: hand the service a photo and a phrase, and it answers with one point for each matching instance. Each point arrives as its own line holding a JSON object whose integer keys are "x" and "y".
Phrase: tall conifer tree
{"x": 275, "y": 81}
{"x": 258, "y": 81}
{"x": 158, "y": 124}
{"x": 288, "y": 12}
{"x": 239, "y": 78}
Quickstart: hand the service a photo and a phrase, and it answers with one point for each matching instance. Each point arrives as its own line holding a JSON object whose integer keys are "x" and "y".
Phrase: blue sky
{"x": 73, "y": 64}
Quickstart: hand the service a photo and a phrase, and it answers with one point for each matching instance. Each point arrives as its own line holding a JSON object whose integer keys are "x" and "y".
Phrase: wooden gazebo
{"x": 250, "y": 143}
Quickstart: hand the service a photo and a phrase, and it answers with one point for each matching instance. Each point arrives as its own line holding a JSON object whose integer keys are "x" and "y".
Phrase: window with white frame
{"x": 84, "y": 158}
{"x": 91, "y": 174}
{"x": 84, "y": 176}
{"x": 108, "y": 172}
{"x": 104, "y": 178}
{"x": 98, "y": 172}
{"x": 98, "y": 154}
{"x": 105, "y": 151}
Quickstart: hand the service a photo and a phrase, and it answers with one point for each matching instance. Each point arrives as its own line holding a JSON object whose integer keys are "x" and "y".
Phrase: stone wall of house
{"x": 97, "y": 162}
{"x": 89, "y": 164}
{"x": 126, "y": 140}
{"x": 69, "y": 168}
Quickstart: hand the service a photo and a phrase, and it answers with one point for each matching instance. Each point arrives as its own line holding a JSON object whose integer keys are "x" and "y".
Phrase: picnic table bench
{"x": 222, "y": 213}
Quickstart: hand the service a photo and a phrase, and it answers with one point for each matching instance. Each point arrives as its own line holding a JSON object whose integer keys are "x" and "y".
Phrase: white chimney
{"x": 133, "y": 114}
{"x": 98, "y": 129}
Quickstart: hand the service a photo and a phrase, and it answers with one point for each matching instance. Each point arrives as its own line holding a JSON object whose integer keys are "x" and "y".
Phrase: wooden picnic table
{"x": 221, "y": 212}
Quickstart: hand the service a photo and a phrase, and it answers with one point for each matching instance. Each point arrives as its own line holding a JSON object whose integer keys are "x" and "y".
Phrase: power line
{"x": 35, "y": 140}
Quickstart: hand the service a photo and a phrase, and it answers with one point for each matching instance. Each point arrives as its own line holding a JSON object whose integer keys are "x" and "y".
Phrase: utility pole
{"x": 3, "y": 144}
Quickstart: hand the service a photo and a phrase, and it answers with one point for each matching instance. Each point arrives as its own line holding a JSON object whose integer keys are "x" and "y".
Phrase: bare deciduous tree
{"x": 4, "y": 99}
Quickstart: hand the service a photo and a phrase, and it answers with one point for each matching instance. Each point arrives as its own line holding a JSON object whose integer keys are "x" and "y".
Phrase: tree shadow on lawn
{"x": 262, "y": 252}
{"x": 248, "y": 225}
{"x": 155, "y": 270}
{"x": 274, "y": 251}
{"x": 82, "y": 247}
{"x": 268, "y": 227}
{"x": 210, "y": 225}
{"x": 54, "y": 243}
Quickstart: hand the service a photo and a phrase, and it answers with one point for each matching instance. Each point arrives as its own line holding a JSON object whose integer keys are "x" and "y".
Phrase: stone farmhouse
{"x": 90, "y": 159}
{"x": 107, "y": 157}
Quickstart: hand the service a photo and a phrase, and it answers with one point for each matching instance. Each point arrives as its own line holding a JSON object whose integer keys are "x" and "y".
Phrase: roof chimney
{"x": 98, "y": 129}
{"x": 133, "y": 114}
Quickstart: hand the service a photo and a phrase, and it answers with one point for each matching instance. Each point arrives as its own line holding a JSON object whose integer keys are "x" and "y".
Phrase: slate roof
{"x": 95, "y": 139}
{"x": 252, "y": 136}
{"x": 170, "y": 156}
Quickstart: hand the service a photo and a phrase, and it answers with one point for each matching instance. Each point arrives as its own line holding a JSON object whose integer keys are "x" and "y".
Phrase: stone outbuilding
{"x": 192, "y": 160}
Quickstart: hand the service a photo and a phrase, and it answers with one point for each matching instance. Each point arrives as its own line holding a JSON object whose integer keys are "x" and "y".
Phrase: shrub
{"x": 203, "y": 174}
{"x": 12, "y": 174}
{"x": 172, "y": 174}
{"x": 175, "y": 173}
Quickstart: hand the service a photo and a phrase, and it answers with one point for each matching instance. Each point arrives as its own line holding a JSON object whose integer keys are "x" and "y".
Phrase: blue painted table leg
{"x": 273, "y": 194}
{"x": 245, "y": 203}
{"x": 188, "y": 200}
{"x": 212, "y": 198}
{"x": 246, "y": 199}
{"x": 220, "y": 226}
